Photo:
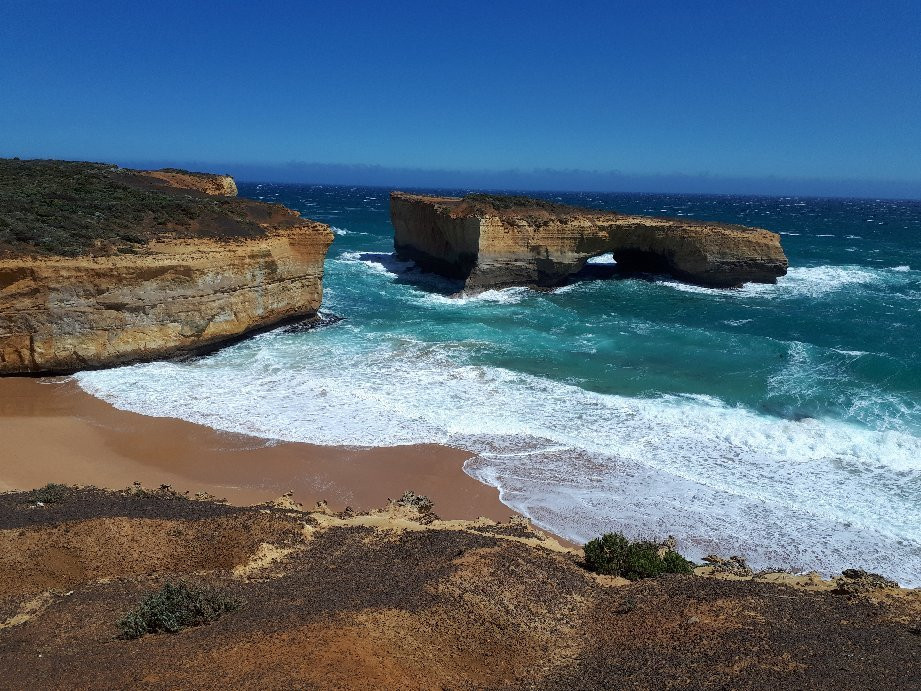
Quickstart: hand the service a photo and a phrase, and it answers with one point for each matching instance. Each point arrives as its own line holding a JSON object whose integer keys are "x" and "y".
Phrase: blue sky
{"x": 713, "y": 94}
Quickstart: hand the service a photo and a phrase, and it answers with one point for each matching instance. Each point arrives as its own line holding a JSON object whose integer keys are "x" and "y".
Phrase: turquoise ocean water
{"x": 782, "y": 423}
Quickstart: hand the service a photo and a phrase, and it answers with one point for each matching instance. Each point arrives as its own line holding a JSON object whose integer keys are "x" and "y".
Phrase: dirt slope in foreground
{"x": 395, "y": 599}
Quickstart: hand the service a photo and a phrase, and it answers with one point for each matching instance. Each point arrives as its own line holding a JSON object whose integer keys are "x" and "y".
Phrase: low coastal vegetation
{"x": 612, "y": 554}
{"x": 505, "y": 202}
{"x": 174, "y": 607}
{"x": 71, "y": 208}
{"x": 52, "y": 493}
{"x": 166, "y": 492}
{"x": 56, "y": 493}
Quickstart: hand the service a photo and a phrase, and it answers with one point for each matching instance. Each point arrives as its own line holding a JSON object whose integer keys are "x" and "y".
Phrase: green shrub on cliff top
{"x": 69, "y": 208}
{"x": 174, "y": 607}
{"x": 504, "y": 202}
{"x": 613, "y": 554}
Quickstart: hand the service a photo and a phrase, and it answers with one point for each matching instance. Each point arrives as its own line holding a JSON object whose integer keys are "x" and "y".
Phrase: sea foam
{"x": 802, "y": 281}
{"x": 503, "y": 296}
{"x": 802, "y": 494}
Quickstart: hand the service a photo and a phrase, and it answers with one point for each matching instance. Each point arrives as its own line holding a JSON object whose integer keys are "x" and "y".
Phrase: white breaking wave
{"x": 803, "y": 494}
{"x": 377, "y": 262}
{"x": 702, "y": 290}
{"x": 801, "y": 281}
{"x": 572, "y": 287}
{"x": 806, "y": 281}
{"x": 390, "y": 265}
{"x": 604, "y": 259}
{"x": 818, "y": 280}
{"x": 345, "y": 231}
{"x": 503, "y": 296}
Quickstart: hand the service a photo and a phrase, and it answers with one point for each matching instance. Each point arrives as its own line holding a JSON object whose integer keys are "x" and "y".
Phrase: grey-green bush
{"x": 174, "y": 607}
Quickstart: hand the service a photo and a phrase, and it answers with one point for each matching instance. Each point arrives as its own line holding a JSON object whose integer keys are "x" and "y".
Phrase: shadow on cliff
{"x": 605, "y": 268}
{"x": 599, "y": 272}
{"x": 614, "y": 271}
{"x": 407, "y": 272}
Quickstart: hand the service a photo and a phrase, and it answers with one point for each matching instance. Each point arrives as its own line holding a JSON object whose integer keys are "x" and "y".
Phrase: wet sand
{"x": 53, "y": 431}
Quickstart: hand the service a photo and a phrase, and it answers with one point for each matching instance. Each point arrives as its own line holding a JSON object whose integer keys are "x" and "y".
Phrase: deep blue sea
{"x": 782, "y": 422}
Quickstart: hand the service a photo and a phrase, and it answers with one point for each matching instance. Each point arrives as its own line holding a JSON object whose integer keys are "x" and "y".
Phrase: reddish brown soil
{"x": 383, "y": 602}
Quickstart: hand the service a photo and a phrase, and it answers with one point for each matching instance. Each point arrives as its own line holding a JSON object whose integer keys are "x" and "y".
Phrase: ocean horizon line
{"x": 534, "y": 180}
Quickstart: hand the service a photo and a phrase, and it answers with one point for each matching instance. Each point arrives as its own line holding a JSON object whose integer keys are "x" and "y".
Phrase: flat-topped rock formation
{"x": 218, "y": 185}
{"x": 493, "y": 241}
{"x": 102, "y": 266}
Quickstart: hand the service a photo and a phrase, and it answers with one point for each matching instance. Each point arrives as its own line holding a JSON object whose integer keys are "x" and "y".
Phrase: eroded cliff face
{"x": 493, "y": 242}
{"x": 174, "y": 294}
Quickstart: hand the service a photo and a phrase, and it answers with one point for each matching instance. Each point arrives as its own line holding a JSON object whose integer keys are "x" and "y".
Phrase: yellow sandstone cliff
{"x": 176, "y": 293}
{"x": 492, "y": 241}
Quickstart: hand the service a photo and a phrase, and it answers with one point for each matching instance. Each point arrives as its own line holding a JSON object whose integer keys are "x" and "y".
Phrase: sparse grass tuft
{"x": 614, "y": 555}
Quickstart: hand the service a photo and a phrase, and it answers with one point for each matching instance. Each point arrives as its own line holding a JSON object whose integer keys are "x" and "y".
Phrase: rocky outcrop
{"x": 215, "y": 185}
{"x": 492, "y": 241}
{"x": 227, "y": 273}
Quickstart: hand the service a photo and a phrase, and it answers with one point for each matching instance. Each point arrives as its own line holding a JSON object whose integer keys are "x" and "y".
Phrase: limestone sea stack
{"x": 491, "y": 241}
{"x": 101, "y": 265}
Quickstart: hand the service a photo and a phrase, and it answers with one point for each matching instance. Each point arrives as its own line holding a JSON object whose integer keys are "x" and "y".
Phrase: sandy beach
{"x": 52, "y": 431}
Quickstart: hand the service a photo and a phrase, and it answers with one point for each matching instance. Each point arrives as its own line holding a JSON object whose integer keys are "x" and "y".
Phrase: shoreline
{"x": 53, "y": 431}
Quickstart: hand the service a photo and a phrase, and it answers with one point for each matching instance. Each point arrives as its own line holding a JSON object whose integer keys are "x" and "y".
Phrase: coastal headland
{"x": 102, "y": 266}
{"x": 492, "y": 241}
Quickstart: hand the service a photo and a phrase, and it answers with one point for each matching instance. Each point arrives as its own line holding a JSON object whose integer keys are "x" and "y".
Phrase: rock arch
{"x": 492, "y": 241}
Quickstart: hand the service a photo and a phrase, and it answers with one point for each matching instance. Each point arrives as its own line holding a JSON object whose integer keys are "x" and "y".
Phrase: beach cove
{"x": 54, "y": 432}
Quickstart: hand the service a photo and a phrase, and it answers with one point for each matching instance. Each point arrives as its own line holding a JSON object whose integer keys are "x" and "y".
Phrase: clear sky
{"x": 706, "y": 92}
